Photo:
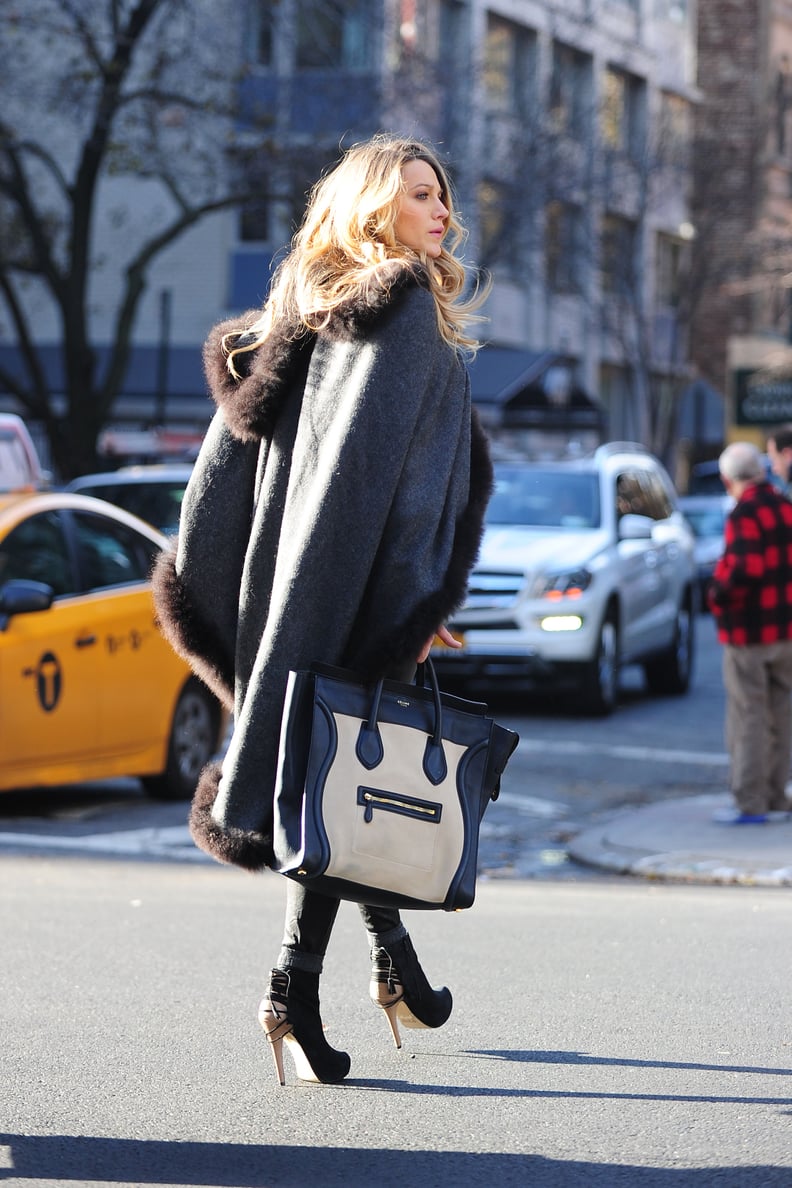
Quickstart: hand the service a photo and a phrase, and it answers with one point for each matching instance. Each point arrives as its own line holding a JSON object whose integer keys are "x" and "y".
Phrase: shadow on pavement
{"x": 620, "y": 1062}
{"x": 140, "y": 1162}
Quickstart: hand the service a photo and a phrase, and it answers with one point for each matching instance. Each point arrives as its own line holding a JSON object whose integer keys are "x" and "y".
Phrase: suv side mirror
{"x": 635, "y": 527}
{"x": 19, "y": 597}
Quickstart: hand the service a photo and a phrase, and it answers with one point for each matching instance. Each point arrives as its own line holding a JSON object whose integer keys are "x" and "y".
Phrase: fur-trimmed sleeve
{"x": 197, "y": 589}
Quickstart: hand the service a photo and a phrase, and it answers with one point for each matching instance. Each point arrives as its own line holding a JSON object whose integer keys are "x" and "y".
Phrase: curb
{"x": 596, "y": 848}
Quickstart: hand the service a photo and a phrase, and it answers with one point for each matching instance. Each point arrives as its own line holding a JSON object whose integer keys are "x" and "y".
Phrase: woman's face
{"x": 421, "y": 221}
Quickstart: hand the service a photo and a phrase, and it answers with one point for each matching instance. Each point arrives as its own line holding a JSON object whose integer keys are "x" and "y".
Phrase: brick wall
{"x": 730, "y": 130}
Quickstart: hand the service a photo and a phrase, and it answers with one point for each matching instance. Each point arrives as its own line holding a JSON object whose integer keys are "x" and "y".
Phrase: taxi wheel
{"x": 193, "y": 741}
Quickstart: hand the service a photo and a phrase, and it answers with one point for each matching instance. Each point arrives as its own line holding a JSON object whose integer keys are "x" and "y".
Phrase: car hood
{"x": 517, "y": 549}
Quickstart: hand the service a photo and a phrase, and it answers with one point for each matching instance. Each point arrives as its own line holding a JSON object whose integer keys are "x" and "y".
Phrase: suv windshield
{"x": 544, "y": 498}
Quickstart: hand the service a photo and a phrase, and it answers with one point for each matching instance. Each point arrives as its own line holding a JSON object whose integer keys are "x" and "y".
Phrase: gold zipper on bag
{"x": 395, "y": 804}
{"x": 402, "y": 804}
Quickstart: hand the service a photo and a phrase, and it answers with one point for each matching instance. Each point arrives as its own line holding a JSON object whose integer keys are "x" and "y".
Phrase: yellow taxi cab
{"x": 89, "y": 689}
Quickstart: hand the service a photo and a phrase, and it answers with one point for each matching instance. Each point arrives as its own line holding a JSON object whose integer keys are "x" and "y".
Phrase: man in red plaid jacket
{"x": 751, "y": 599}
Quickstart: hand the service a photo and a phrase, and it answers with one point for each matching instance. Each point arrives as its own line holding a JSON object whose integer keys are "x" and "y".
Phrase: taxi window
{"x": 36, "y": 551}
{"x": 111, "y": 554}
{"x": 158, "y": 503}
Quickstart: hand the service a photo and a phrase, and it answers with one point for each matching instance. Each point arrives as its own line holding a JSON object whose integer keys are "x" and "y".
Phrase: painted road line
{"x": 620, "y": 751}
{"x": 171, "y": 842}
{"x": 533, "y": 806}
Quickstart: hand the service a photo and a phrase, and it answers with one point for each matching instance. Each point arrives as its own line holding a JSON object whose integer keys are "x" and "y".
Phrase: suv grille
{"x": 493, "y": 591}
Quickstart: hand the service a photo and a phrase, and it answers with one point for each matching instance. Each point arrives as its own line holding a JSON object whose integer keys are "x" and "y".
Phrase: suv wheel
{"x": 601, "y": 674}
{"x": 669, "y": 672}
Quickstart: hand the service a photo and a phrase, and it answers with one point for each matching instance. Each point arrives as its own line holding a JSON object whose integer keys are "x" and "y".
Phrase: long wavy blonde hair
{"x": 346, "y": 243}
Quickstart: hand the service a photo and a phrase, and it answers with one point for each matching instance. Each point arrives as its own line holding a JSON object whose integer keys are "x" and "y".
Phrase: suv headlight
{"x": 555, "y": 586}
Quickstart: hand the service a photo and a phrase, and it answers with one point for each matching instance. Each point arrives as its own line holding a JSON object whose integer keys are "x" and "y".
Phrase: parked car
{"x": 20, "y": 466}
{"x": 705, "y": 477}
{"x": 585, "y": 565}
{"x": 706, "y": 515}
{"x": 89, "y": 689}
{"x": 154, "y": 493}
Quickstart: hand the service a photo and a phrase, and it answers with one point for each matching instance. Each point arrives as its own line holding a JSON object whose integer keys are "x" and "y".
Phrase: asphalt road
{"x": 605, "y": 1032}
{"x": 621, "y": 1035}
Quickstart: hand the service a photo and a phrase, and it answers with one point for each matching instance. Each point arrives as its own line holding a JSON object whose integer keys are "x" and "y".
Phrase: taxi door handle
{"x": 85, "y": 641}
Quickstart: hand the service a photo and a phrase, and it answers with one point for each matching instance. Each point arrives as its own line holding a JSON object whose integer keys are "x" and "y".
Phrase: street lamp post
{"x": 163, "y": 353}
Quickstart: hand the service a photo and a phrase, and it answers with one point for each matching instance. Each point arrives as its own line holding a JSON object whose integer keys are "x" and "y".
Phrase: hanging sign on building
{"x": 762, "y": 399}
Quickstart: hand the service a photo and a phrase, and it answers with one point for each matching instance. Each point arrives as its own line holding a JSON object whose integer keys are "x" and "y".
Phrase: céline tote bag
{"x": 381, "y": 788}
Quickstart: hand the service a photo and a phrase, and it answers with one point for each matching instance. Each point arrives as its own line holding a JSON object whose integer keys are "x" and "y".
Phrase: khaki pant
{"x": 758, "y": 680}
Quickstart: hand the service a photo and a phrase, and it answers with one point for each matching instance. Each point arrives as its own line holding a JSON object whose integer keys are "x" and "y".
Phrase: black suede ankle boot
{"x": 290, "y": 1011}
{"x": 399, "y": 987}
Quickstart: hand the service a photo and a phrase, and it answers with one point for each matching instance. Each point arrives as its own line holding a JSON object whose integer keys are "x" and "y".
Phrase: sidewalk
{"x": 677, "y": 840}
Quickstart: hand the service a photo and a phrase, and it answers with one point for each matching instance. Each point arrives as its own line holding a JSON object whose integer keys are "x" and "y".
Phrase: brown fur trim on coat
{"x": 353, "y": 318}
{"x": 251, "y": 405}
{"x": 192, "y": 639}
{"x": 246, "y": 848}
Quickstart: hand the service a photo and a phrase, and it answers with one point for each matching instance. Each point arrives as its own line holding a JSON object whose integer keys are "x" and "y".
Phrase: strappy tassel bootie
{"x": 289, "y": 1011}
{"x": 399, "y": 987}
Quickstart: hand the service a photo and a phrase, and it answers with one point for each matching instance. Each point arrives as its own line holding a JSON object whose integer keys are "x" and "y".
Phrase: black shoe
{"x": 399, "y": 987}
{"x": 289, "y": 1011}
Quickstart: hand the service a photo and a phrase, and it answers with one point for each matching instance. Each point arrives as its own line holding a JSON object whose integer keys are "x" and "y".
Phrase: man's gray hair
{"x": 741, "y": 462}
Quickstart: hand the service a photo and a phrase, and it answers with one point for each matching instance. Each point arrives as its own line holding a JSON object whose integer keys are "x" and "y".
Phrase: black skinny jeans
{"x": 309, "y": 921}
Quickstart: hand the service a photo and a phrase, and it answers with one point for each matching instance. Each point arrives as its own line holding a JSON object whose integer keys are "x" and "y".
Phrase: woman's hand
{"x": 442, "y": 634}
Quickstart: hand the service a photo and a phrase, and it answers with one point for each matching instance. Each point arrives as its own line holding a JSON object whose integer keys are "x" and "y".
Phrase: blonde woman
{"x": 334, "y": 514}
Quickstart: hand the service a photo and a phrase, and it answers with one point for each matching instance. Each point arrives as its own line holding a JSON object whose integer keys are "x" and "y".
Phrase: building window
{"x": 616, "y": 390}
{"x": 668, "y": 270}
{"x": 426, "y": 32}
{"x": 250, "y": 171}
{"x": 492, "y": 220}
{"x": 254, "y": 220}
{"x": 618, "y": 255}
{"x": 672, "y": 10}
{"x": 563, "y": 247}
{"x": 509, "y": 63}
{"x": 623, "y": 112}
{"x": 781, "y": 105}
{"x": 264, "y": 32}
{"x": 333, "y": 35}
{"x": 570, "y": 91}
{"x": 450, "y": 42}
{"x": 675, "y": 130}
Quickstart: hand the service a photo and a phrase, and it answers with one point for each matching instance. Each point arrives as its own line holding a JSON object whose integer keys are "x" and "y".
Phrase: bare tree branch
{"x": 112, "y": 75}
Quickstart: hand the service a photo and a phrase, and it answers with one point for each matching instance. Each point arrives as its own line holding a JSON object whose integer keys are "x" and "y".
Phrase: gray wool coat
{"x": 333, "y": 515}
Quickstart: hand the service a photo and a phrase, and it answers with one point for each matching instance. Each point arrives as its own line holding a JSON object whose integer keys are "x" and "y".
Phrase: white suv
{"x": 585, "y": 565}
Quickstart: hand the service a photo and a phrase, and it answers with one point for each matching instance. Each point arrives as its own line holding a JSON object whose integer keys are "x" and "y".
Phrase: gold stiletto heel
{"x": 387, "y": 994}
{"x": 272, "y": 1017}
{"x": 276, "y": 1047}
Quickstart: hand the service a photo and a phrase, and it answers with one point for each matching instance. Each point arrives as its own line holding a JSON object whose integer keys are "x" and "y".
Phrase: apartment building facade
{"x": 742, "y": 322}
{"x": 567, "y": 128}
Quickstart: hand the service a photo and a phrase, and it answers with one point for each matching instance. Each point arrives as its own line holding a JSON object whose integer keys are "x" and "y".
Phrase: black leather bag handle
{"x": 369, "y": 749}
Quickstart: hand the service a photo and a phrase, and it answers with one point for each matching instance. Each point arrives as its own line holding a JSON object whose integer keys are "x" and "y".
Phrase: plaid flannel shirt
{"x": 751, "y": 591}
